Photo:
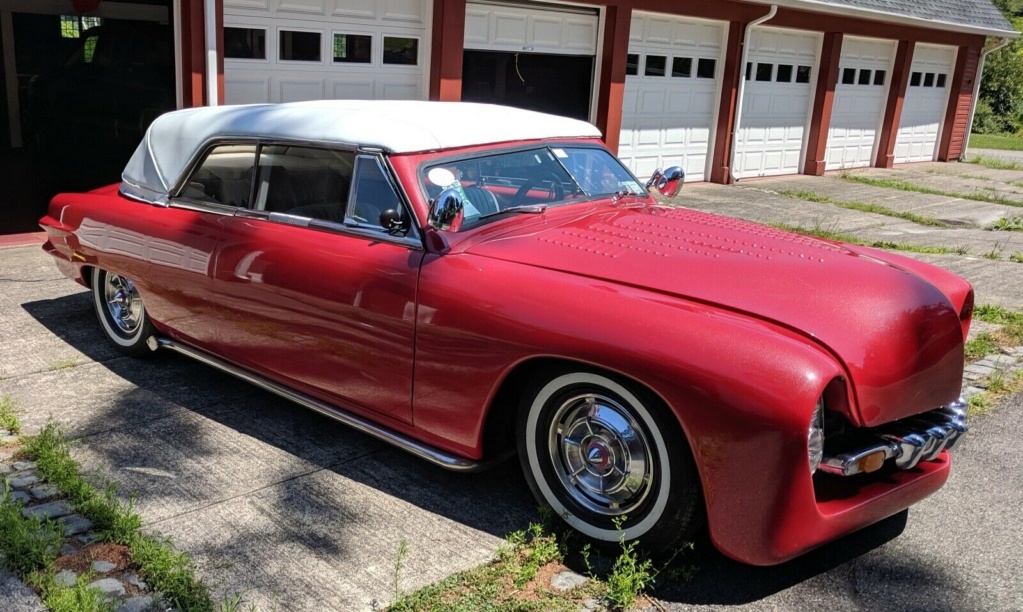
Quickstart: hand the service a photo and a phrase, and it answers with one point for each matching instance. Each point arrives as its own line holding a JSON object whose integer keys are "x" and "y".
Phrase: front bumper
{"x": 778, "y": 511}
{"x": 905, "y": 442}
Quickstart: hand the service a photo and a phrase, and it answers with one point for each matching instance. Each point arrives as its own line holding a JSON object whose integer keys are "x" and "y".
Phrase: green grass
{"x": 901, "y": 185}
{"x": 876, "y": 209}
{"x": 1008, "y": 224}
{"x": 79, "y": 597}
{"x": 28, "y": 544}
{"x": 996, "y": 141}
{"x": 819, "y": 231}
{"x": 1011, "y": 321}
{"x": 999, "y": 385}
{"x": 63, "y": 364}
{"x": 8, "y": 418}
{"x": 994, "y": 163}
{"x": 1016, "y": 257}
{"x": 980, "y": 346}
{"x": 510, "y": 581}
{"x": 166, "y": 570}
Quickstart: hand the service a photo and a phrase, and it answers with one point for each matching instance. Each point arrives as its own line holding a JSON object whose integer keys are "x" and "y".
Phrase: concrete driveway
{"x": 270, "y": 499}
{"x": 300, "y": 513}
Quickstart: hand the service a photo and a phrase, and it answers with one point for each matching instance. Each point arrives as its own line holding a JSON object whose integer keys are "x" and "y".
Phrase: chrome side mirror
{"x": 447, "y": 211}
{"x": 667, "y": 182}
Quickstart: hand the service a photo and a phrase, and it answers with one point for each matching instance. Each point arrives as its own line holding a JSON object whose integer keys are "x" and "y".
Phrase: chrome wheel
{"x": 608, "y": 457}
{"x": 600, "y": 454}
{"x": 121, "y": 312}
{"x": 123, "y": 303}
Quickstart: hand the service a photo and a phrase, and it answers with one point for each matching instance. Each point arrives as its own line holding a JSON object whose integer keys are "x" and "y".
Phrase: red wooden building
{"x": 729, "y": 89}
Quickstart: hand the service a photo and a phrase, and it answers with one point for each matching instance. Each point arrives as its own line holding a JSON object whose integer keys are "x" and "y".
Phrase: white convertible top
{"x": 394, "y": 126}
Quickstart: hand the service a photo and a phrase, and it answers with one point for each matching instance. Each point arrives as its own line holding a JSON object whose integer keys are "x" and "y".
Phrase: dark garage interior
{"x": 87, "y": 87}
{"x": 557, "y": 84}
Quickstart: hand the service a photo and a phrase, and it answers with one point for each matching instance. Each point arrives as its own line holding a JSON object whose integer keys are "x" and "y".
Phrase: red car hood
{"x": 897, "y": 335}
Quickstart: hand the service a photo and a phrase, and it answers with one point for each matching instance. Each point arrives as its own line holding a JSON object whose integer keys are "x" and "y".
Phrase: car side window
{"x": 224, "y": 176}
{"x": 373, "y": 195}
{"x": 304, "y": 181}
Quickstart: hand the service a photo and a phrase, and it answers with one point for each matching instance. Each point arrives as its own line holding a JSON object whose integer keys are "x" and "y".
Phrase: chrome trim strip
{"x": 402, "y": 441}
{"x": 918, "y": 438}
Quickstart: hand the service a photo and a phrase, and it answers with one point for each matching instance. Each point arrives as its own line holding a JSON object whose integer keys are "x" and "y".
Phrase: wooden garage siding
{"x": 961, "y": 105}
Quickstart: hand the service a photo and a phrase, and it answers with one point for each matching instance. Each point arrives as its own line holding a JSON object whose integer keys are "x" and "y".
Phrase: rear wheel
{"x": 121, "y": 313}
{"x": 601, "y": 451}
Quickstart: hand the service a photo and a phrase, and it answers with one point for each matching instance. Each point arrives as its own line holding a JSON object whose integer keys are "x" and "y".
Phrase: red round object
{"x": 85, "y": 6}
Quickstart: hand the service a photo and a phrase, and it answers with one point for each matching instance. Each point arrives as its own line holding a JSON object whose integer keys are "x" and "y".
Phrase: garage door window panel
{"x": 655, "y": 65}
{"x": 632, "y": 64}
{"x": 299, "y": 46}
{"x": 401, "y": 51}
{"x": 223, "y": 177}
{"x": 914, "y": 79}
{"x": 682, "y": 67}
{"x": 764, "y": 71}
{"x": 784, "y": 73}
{"x": 864, "y": 77}
{"x": 941, "y": 80}
{"x": 848, "y": 76}
{"x": 706, "y": 68}
{"x": 245, "y": 43}
{"x": 879, "y": 76}
{"x": 353, "y": 48}
{"x": 803, "y": 74}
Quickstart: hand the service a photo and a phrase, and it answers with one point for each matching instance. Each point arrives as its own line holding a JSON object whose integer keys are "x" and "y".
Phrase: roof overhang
{"x": 817, "y": 6}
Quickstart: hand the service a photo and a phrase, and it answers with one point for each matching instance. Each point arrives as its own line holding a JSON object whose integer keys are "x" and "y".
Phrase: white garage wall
{"x": 923, "y": 109}
{"x": 864, "y": 76}
{"x": 782, "y": 67}
{"x": 275, "y": 79}
{"x": 668, "y": 116}
{"x": 491, "y": 27}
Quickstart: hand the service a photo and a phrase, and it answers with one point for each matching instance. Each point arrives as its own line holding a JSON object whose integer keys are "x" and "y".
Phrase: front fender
{"x": 742, "y": 389}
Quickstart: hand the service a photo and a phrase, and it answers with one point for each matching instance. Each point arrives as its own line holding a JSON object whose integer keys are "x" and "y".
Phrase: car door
{"x": 181, "y": 239}
{"x": 311, "y": 290}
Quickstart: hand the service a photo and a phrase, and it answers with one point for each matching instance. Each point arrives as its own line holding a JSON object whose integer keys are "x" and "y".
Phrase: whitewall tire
{"x": 121, "y": 313}
{"x": 599, "y": 451}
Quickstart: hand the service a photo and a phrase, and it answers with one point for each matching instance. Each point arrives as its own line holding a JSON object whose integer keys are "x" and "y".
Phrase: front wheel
{"x": 610, "y": 459}
{"x": 121, "y": 313}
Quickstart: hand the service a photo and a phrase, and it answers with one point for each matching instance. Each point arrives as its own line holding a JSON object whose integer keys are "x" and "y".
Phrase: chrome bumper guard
{"x": 908, "y": 441}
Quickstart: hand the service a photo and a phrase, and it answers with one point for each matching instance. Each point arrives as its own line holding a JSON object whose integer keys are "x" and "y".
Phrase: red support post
{"x": 823, "y": 102}
{"x": 446, "y": 50}
{"x": 611, "y": 87}
{"x": 893, "y": 107}
{"x": 732, "y": 72}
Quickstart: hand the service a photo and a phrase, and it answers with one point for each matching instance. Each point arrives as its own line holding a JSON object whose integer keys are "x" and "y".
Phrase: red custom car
{"x": 467, "y": 281}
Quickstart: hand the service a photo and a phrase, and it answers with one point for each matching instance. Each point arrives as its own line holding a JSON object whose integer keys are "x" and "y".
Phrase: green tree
{"x": 1001, "y": 87}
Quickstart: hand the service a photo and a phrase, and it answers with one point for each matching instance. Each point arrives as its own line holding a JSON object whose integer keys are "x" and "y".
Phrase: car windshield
{"x": 529, "y": 180}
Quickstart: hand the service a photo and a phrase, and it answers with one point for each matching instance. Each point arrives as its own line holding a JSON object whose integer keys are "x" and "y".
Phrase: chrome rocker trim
{"x": 394, "y": 438}
{"x": 908, "y": 442}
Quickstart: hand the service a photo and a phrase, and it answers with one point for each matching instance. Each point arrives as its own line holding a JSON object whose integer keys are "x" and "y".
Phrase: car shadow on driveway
{"x": 720, "y": 581}
{"x": 182, "y": 437}
{"x": 234, "y": 473}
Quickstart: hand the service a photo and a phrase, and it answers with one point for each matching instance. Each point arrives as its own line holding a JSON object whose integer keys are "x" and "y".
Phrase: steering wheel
{"x": 556, "y": 191}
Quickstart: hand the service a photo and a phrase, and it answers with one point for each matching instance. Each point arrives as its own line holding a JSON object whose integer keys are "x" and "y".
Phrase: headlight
{"x": 815, "y": 436}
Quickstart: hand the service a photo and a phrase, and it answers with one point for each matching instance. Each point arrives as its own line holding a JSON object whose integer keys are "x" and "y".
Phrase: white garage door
{"x": 320, "y": 49}
{"x": 494, "y": 27}
{"x": 863, "y": 75}
{"x": 780, "y": 75}
{"x": 672, "y": 82}
{"x": 923, "y": 110}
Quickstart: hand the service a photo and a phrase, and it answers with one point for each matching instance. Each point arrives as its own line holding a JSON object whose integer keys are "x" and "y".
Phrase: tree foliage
{"x": 1000, "y": 108}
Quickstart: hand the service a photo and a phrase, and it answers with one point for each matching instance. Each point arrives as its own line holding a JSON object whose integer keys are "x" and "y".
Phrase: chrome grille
{"x": 908, "y": 441}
